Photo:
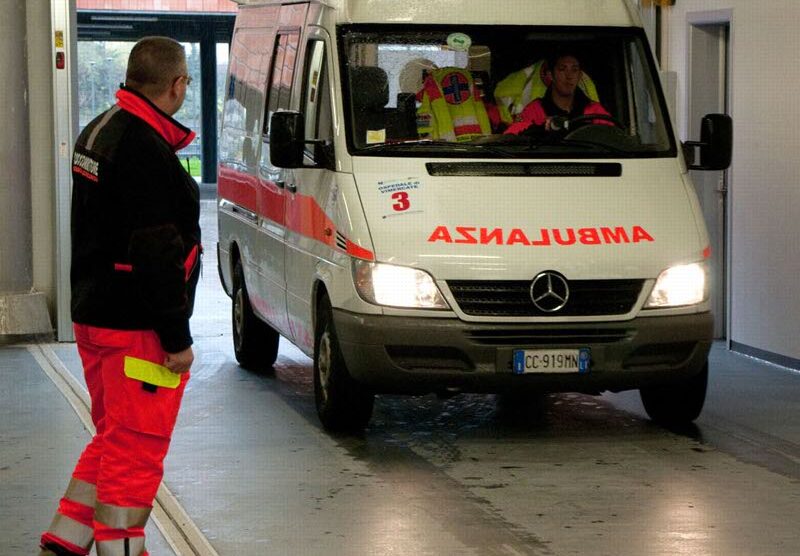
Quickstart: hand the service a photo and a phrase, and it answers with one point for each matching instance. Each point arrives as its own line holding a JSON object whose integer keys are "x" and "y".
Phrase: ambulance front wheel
{"x": 343, "y": 405}
{"x": 255, "y": 343}
{"x": 676, "y": 404}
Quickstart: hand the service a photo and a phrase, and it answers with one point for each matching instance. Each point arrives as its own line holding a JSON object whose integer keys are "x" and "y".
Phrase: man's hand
{"x": 179, "y": 362}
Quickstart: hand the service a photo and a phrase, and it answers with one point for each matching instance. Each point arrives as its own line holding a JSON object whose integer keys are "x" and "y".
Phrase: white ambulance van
{"x": 380, "y": 208}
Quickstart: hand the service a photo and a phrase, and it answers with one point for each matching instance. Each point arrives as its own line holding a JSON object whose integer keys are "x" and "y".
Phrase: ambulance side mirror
{"x": 287, "y": 143}
{"x": 715, "y": 145}
{"x": 286, "y": 139}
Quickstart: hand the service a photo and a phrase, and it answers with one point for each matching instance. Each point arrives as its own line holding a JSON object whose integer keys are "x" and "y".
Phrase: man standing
{"x": 135, "y": 264}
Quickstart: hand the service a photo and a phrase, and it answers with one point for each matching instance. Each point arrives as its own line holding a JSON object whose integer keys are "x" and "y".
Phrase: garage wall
{"x": 15, "y": 195}
{"x": 765, "y": 175}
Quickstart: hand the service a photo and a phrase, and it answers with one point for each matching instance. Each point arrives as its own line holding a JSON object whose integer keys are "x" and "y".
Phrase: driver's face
{"x": 566, "y": 75}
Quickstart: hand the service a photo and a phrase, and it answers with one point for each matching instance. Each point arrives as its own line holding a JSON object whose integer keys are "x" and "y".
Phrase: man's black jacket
{"x": 135, "y": 224}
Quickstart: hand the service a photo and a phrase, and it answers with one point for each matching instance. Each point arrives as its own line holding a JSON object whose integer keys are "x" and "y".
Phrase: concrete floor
{"x": 591, "y": 476}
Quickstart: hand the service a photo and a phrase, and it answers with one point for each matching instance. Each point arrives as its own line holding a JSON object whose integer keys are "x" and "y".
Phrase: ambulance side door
{"x": 271, "y": 192}
{"x": 311, "y": 199}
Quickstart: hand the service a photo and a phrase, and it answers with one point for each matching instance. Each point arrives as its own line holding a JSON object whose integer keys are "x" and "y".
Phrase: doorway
{"x": 709, "y": 92}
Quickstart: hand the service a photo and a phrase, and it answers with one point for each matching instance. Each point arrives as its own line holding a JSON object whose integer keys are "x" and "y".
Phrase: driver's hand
{"x": 548, "y": 124}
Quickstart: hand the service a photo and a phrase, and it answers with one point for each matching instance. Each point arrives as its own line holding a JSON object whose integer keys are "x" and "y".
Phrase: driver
{"x": 563, "y": 98}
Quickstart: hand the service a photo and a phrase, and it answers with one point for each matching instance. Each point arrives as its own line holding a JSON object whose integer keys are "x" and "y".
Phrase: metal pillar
{"x": 64, "y": 22}
{"x": 208, "y": 84}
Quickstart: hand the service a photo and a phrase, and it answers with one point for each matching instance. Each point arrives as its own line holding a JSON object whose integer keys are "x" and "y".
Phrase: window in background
{"x": 222, "y": 71}
{"x": 191, "y": 114}
{"x": 101, "y": 69}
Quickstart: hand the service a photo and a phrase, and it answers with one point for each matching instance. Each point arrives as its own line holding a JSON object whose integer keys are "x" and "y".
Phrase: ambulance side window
{"x": 279, "y": 90}
{"x": 648, "y": 118}
{"x": 244, "y": 99}
{"x": 316, "y": 104}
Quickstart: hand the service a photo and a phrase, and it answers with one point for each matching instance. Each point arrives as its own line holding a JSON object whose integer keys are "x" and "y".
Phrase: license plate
{"x": 551, "y": 361}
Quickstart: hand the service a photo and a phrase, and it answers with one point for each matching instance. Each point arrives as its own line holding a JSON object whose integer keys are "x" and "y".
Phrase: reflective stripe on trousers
{"x": 72, "y": 525}
{"x": 119, "y": 530}
{"x": 121, "y": 517}
{"x": 132, "y": 546}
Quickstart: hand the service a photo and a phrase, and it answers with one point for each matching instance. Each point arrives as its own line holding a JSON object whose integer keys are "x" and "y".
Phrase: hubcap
{"x": 324, "y": 364}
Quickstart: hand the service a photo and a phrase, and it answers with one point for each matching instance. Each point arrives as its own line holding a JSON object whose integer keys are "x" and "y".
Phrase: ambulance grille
{"x": 552, "y": 335}
{"x": 523, "y": 169}
{"x": 512, "y": 298}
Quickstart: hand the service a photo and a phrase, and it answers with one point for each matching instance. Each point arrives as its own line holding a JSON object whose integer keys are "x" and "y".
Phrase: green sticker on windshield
{"x": 459, "y": 41}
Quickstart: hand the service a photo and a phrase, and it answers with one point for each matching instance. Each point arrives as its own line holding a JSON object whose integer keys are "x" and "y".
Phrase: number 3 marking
{"x": 402, "y": 201}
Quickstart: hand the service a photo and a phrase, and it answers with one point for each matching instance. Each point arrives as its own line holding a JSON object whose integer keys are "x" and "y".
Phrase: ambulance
{"x": 375, "y": 211}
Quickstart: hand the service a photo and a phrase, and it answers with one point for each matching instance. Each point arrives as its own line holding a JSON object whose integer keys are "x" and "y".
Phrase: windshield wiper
{"x": 417, "y": 143}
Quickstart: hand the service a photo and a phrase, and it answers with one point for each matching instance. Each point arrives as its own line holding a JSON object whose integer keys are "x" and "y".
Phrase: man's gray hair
{"x": 153, "y": 65}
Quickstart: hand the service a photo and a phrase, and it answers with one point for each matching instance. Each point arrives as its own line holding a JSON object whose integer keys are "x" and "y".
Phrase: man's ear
{"x": 173, "y": 90}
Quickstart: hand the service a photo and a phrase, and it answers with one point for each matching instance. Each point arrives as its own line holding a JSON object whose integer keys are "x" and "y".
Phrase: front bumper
{"x": 418, "y": 355}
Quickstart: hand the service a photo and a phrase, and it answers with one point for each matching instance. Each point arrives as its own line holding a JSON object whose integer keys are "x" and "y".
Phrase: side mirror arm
{"x": 690, "y": 154}
{"x": 322, "y": 153}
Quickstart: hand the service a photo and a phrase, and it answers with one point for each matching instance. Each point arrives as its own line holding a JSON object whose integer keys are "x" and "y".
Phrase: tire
{"x": 343, "y": 405}
{"x": 676, "y": 404}
{"x": 255, "y": 343}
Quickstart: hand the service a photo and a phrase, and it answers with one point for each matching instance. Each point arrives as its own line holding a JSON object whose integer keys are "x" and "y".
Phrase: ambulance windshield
{"x": 509, "y": 91}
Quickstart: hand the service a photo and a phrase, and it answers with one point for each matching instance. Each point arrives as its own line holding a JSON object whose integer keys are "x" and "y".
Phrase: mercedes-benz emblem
{"x": 549, "y": 291}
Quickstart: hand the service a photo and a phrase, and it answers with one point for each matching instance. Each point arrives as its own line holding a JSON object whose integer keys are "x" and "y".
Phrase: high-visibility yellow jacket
{"x": 520, "y": 88}
{"x": 451, "y": 107}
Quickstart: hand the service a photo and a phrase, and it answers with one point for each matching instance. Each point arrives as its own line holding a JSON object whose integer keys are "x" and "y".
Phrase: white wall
{"x": 765, "y": 174}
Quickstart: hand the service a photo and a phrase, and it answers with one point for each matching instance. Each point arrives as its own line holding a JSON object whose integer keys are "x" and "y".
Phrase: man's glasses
{"x": 187, "y": 77}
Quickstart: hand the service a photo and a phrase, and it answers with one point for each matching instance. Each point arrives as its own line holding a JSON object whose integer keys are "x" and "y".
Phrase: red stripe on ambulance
{"x": 473, "y": 235}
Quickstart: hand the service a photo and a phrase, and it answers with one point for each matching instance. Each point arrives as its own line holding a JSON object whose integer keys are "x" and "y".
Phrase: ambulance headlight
{"x": 396, "y": 286}
{"x": 680, "y": 285}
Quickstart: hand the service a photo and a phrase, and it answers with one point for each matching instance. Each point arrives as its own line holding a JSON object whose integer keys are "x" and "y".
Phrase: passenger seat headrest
{"x": 369, "y": 87}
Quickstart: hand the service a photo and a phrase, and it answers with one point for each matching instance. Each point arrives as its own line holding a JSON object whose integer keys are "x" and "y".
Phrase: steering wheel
{"x": 561, "y": 123}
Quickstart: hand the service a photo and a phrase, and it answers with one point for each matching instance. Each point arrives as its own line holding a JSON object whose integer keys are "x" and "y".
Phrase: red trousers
{"x": 117, "y": 476}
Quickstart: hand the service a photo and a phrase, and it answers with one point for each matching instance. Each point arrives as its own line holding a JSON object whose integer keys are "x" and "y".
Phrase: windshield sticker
{"x": 544, "y": 237}
{"x": 400, "y": 196}
{"x": 376, "y": 136}
{"x": 459, "y": 42}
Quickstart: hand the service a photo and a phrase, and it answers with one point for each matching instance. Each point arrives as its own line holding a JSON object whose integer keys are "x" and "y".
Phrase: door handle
{"x": 292, "y": 188}
{"x": 280, "y": 184}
